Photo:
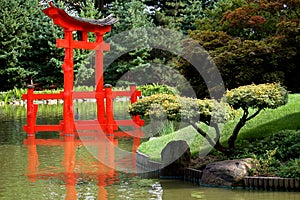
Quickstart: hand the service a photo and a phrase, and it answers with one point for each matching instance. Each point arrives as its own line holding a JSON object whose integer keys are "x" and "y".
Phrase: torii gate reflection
{"x": 71, "y": 168}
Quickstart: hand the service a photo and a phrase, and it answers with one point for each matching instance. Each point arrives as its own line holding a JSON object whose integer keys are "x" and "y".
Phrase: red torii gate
{"x": 103, "y": 93}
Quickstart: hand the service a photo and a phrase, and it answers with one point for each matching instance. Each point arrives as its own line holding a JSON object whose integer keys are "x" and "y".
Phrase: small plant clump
{"x": 290, "y": 169}
{"x": 12, "y": 95}
{"x": 151, "y": 89}
{"x": 17, "y": 93}
{"x": 276, "y": 155}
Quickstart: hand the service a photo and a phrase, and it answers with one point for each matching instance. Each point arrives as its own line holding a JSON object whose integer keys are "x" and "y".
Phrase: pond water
{"x": 49, "y": 168}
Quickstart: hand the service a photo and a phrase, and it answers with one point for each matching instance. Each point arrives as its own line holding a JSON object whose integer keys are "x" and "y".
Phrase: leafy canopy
{"x": 212, "y": 112}
{"x": 270, "y": 95}
{"x": 178, "y": 108}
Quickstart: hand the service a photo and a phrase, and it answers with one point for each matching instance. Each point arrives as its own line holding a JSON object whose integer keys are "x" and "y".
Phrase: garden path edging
{"x": 271, "y": 183}
{"x": 191, "y": 175}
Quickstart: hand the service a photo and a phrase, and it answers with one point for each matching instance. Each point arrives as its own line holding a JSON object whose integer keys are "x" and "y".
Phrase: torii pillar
{"x": 69, "y": 25}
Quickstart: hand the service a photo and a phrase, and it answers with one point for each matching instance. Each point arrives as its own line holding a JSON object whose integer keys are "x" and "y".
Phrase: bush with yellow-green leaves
{"x": 213, "y": 112}
{"x": 271, "y": 95}
{"x": 257, "y": 97}
{"x": 184, "y": 109}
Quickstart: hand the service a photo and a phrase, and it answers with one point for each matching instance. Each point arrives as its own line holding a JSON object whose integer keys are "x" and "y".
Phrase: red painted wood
{"x": 62, "y": 19}
{"x": 135, "y": 93}
{"x": 43, "y": 96}
{"x": 88, "y": 95}
{"x": 104, "y": 96}
{"x": 63, "y": 43}
{"x": 109, "y": 109}
{"x": 68, "y": 67}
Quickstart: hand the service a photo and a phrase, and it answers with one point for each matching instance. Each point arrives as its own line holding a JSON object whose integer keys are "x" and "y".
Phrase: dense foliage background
{"x": 250, "y": 41}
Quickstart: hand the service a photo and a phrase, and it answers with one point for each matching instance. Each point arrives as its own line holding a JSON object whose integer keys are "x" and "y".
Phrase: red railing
{"x": 105, "y": 122}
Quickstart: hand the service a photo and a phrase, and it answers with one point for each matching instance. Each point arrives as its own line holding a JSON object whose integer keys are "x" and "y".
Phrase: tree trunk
{"x": 99, "y": 4}
{"x": 237, "y": 129}
{"x": 216, "y": 144}
{"x": 239, "y": 126}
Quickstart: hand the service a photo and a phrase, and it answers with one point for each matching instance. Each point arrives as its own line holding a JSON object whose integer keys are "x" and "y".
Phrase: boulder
{"x": 175, "y": 157}
{"x": 227, "y": 172}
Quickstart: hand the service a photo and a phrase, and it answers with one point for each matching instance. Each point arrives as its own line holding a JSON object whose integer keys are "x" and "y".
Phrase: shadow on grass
{"x": 288, "y": 122}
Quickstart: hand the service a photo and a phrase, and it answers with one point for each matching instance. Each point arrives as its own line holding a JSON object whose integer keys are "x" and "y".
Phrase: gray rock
{"x": 227, "y": 172}
{"x": 175, "y": 157}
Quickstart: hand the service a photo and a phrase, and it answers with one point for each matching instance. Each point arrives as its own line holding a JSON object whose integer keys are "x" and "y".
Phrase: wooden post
{"x": 133, "y": 92}
{"x": 133, "y": 99}
{"x": 31, "y": 111}
{"x": 99, "y": 80}
{"x": 68, "y": 67}
{"x": 109, "y": 109}
{"x": 137, "y": 119}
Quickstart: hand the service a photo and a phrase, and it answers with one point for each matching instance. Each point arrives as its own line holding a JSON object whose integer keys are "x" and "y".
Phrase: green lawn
{"x": 267, "y": 122}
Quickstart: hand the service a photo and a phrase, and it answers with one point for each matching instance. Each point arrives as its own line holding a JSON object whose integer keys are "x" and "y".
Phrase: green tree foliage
{"x": 179, "y": 15}
{"x": 250, "y": 42}
{"x": 212, "y": 112}
{"x": 100, "y": 5}
{"x": 132, "y": 15}
{"x": 212, "y": 15}
{"x": 27, "y": 48}
{"x": 188, "y": 110}
{"x": 259, "y": 19}
{"x": 151, "y": 89}
{"x": 256, "y": 97}
{"x": 15, "y": 42}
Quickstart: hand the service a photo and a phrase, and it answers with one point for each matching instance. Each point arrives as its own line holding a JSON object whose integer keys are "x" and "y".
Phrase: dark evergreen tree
{"x": 28, "y": 45}
{"x": 250, "y": 42}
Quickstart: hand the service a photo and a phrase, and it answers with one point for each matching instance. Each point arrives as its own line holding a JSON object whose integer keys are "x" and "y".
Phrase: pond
{"x": 49, "y": 168}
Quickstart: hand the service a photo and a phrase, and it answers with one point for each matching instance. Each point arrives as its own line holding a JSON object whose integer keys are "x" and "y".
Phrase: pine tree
{"x": 27, "y": 45}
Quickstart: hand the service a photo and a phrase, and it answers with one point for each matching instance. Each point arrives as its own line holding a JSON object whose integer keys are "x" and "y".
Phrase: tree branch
{"x": 254, "y": 115}
{"x": 216, "y": 144}
{"x": 237, "y": 128}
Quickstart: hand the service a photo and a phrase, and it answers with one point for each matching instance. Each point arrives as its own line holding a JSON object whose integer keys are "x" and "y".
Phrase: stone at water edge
{"x": 176, "y": 157}
{"x": 227, "y": 172}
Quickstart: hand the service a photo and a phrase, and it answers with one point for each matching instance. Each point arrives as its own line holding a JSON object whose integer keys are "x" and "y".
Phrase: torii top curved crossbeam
{"x": 62, "y": 19}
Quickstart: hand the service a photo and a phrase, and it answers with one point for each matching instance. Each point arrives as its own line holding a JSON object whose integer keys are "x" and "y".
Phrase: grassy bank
{"x": 264, "y": 125}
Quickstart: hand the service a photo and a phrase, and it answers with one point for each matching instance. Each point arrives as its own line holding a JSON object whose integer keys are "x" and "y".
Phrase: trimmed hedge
{"x": 270, "y": 95}
{"x": 212, "y": 112}
{"x": 179, "y": 108}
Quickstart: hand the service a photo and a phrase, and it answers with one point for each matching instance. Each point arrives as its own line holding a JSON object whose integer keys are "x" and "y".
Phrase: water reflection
{"x": 73, "y": 170}
{"x": 174, "y": 189}
{"x": 58, "y": 168}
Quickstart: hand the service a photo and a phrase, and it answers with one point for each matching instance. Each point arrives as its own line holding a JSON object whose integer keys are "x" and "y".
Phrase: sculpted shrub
{"x": 189, "y": 110}
{"x": 179, "y": 108}
{"x": 154, "y": 105}
{"x": 212, "y": 112}
{"x": 258, "y": 97}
